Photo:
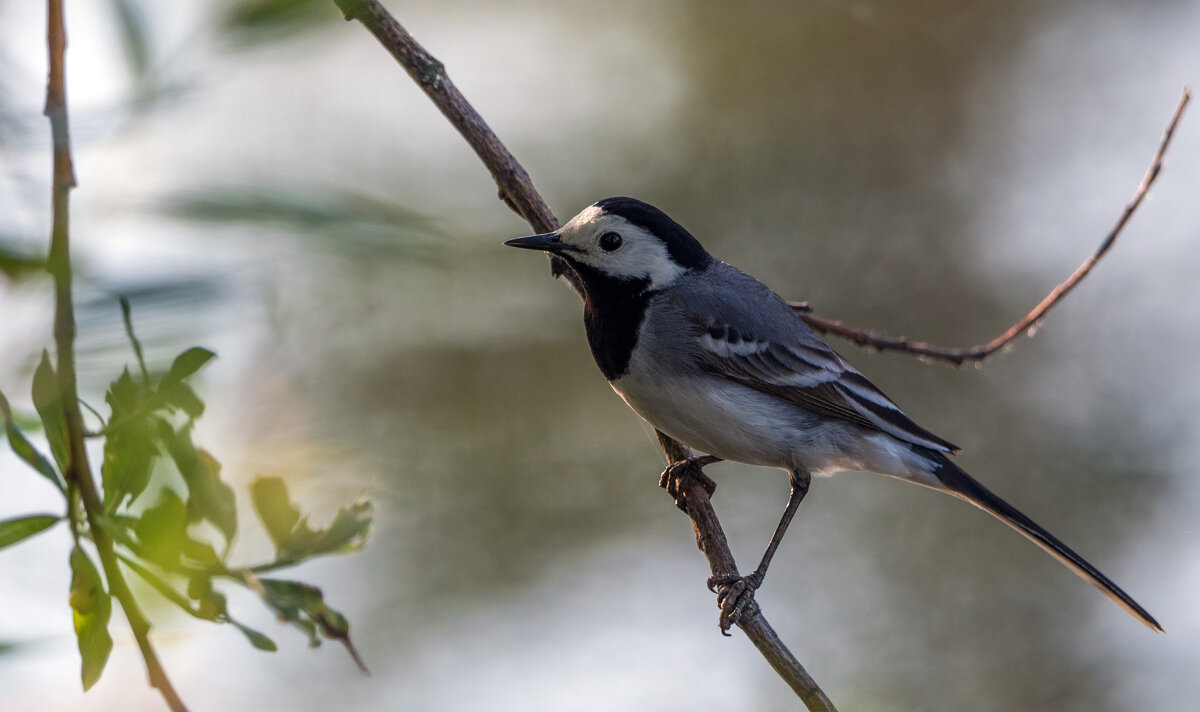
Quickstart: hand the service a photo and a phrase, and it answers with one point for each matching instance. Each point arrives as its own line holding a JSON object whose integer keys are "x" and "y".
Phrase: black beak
{"x": 547, "y": 242}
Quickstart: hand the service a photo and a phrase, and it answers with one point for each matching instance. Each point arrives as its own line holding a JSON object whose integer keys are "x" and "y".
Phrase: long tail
{"x": 963, "y": 486}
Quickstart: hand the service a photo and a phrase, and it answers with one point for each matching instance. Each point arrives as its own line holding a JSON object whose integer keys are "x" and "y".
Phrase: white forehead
{"x": 642, "y": 255}
{"x": 591, "y": 216}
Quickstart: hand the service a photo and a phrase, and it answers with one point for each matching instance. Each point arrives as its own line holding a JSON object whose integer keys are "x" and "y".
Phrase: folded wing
{"x": 810, "y": 375}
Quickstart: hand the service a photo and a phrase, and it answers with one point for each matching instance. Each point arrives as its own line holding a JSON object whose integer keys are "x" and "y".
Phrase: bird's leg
{"x": 673, "y": 477}
{"x": 734, "y": 593}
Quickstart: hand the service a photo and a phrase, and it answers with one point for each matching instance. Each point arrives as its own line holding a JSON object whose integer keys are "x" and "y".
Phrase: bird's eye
{"x": 610, "y": 241}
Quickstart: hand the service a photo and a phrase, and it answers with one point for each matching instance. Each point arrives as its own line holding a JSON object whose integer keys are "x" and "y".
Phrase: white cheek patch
{"x": 663, "y": 270}
{"x": 641, "y": 255}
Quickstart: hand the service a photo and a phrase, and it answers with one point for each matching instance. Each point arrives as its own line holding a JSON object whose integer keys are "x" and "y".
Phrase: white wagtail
{"x": 712, "y": 357}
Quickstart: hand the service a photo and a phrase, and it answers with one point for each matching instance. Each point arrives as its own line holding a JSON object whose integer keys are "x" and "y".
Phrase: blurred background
{"x": 262, "y": 179}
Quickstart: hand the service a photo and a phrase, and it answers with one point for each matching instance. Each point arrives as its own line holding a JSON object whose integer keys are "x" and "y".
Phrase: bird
{"x": 715, "y": 359}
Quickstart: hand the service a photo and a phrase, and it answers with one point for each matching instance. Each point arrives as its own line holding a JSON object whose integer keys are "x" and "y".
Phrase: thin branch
{"x": 164, "y": 589}
{"x": 78, "y": 472}
{"x": 93, "y": 411}
{"x": 127, "y": 317}
{"x": 958, "y": 356}
{"x": 517, "y": 190}
{"x": 690, "y": 490}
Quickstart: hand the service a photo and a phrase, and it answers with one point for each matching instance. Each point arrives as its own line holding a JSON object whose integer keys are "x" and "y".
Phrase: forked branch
{"x": 959, "y": 356}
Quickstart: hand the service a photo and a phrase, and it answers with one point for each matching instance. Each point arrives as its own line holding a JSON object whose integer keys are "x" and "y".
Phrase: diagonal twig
{"x": 958, "y": 356}
{"x": 515, "y": 187}
{"x": 710, "y": 538}
{"x": 519, "y": 193}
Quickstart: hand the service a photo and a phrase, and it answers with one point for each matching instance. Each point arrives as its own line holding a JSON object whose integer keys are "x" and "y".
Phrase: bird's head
{"x": 624, "y": 239}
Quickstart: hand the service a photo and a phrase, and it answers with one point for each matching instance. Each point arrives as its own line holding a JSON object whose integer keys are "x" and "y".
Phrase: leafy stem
{"x": 77, "y": 471}
{"x": 152, "y": 419}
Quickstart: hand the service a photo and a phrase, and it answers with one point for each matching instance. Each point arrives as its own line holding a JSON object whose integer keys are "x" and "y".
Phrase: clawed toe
{"x": 719, "y": 580}
{"x": 672, "y": 478}
{"x": 735, "y": 594}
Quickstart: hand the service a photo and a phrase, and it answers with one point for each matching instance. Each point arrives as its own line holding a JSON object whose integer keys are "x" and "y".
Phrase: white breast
{"x": 712, "y": 415}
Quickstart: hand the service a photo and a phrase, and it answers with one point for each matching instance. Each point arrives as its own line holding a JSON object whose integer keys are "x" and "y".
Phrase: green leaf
{"x": 17, "y": 264}
{"x": 183, "y": 397}
{"x": 292, "y": 601}
{"x": 124, "y": 396}
{"x": 134, "y": 343}
{"x": 186, "y": 364}
{"x": 294, "y": 539}
{"x": 253, "y": 21}
{"x": 275, "y": 509}
{"x": 162, "y": 531}
{"x": 165, "y": 589}
{"x": 209, "y": 498}
{"x": 129, "y": 455}
{"x": 19, "y": 528}
{"x": 355, "y": 224}
{"x": 296, "y": 603}
{"x": 129, "y": 444}
{"x": 46, "y": 399}
{"x": 303, "y": 605}
{"x": 27, "y": 422}
{"x": 348, "y": 532}
{"x": 25, "y": 450}
{"x": 210, "y": 602}
{"x": 135, "y": 39}
{"x": 256, "y": 639}
{"x": 211, "y": 605}
{"x": 92, "y": 608}
{"x": 202, "y": 554}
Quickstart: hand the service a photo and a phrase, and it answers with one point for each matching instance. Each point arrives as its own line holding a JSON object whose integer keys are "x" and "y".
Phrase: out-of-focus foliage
{"x": 304, "y": 606}
{"x": 135, "y": 36}
{"x": 163, "y": 510}
{"x": 91, "y": 606}
{"x": 25, "y": 450}
{"x": 19, "y": 528}
{"x": 166, "y": 537}
{"x": 289, "y": 529}
{"x": 298, "y": 603}
{"x": 50, "y": 408}
{"x": 152, "y": 84}
{"x": 343, "y": 221}
{"x": 16, "y": 264}
{"x": 258, "y": 21}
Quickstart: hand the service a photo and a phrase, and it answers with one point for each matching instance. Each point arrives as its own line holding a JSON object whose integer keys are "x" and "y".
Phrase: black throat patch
{"x": 613, "y": 310}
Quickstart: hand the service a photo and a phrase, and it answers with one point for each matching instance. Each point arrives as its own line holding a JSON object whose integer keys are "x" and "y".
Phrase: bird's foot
{"x": 672, "y": 479}
{"x": 735, "y": 595}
